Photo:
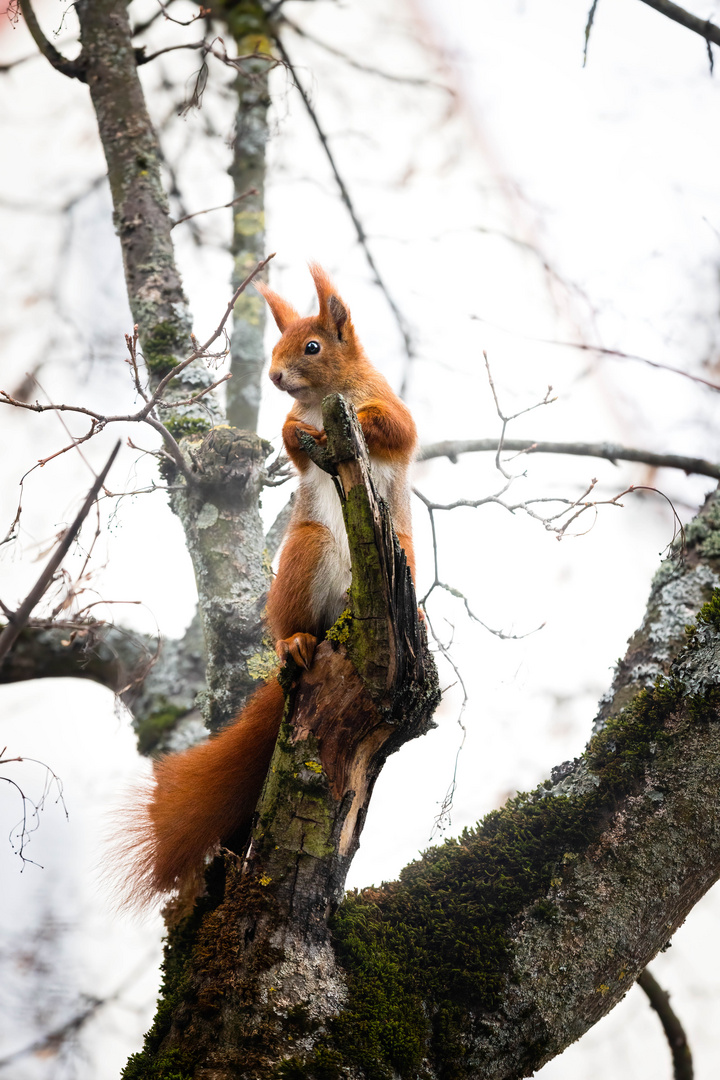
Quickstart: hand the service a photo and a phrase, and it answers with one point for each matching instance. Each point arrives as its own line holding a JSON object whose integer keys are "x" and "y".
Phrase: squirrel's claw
{"x": 301, "y": 647}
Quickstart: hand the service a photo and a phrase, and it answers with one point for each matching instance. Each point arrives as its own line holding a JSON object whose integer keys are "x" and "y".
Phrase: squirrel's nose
{"x": 276, "y": 377}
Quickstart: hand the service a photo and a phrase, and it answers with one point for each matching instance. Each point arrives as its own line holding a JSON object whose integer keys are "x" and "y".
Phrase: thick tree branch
{"x": 453, "y": 448}
{"x": 105, "y": 654}
{"x": 506, "y": 945}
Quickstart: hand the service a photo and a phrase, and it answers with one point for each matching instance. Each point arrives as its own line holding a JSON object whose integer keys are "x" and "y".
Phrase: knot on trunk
{"x": 225, "y": 457}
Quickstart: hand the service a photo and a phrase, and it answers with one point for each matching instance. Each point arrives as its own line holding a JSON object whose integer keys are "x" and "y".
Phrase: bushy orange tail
{"x": 199, "y": 799}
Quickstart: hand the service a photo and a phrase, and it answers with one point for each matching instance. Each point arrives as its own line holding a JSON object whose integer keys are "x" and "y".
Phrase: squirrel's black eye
{"x": 312, "y": 348}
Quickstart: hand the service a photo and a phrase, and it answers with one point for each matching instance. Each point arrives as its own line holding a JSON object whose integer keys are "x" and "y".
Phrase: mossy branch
{"x": 498, "y": 949}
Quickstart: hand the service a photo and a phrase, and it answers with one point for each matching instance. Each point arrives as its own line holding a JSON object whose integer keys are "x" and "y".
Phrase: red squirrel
{"x": 206, "y": 796}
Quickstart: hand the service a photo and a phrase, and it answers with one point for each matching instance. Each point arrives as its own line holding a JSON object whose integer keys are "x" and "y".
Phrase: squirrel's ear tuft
{"x": 283, "y": 313}
{"x": 333, "y": 312}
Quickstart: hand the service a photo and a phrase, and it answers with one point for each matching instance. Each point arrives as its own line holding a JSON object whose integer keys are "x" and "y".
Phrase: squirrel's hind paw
{"x": 301, "y": 647}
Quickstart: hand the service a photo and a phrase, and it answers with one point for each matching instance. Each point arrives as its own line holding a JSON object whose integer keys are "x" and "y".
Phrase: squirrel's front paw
{"x": 319, "y": 436}
{"x": 301, "y": 647}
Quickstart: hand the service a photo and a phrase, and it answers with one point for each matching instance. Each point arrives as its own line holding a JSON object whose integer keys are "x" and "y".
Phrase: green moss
{"x": 174, "y": 991}
{"x": 249, "y": 222}
{"x": 162, "y": 346}
{"x": 247, "y": 21}
{"x": 264, "y": 663}
{"x": 172, "y": 1065}
{"x": 703, "y": 532}
{"x": 422, "y": 953}
{"x": 151, "y": 730}
{"x": 708, "y": 617}
{"x": 181, "y": 427}
{"x": 339, "y": 632}
{"x": 248, "y": 307}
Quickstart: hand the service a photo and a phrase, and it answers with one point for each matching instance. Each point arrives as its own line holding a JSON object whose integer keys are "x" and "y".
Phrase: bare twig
{"x": 74, "y": 69}
{"x": 88, "y": 1006}
{"x": 11, "y": 64}
{"x": 202, "y": 13}
{"x": 617, "y": 354}
{"x": 437, "y": 583}
{"x": 351, "y": 61}
{"x": 547, "y": 400}
{"x": 142, "y": 58}
{"x": 21, "y": 834}
{"x": 443, "y": 817}
{"x": 588, "y": 29}
{"x": 612, "y": 452}
{"x": 10, "y": 634}
{"x": 132, "y": 345}
{"x": 146, "y": 413}
{"x": 359, "y": 229}
{"x": 674, "y": 1031}
{"x": 210, "y": 209}
{"x": 195, "y": 397}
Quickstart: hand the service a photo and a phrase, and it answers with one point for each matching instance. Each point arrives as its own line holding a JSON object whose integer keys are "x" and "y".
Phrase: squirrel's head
{"x": 318, "y": 355}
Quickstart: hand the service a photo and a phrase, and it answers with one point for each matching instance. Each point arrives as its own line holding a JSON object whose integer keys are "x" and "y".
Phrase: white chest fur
{"x": 319, "y": 501}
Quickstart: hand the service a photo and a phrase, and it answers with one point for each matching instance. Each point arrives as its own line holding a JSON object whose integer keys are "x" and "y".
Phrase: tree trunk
{"x": 254, "y": 958}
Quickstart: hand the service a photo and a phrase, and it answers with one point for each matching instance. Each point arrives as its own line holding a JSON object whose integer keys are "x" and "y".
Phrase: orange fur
{"x": 201, "y": 798}
{"x": 206, "y": 796}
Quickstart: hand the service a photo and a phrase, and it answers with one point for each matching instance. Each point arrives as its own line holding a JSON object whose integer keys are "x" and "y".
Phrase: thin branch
{"x": 17, "y": 621}
{"x": 588, "y": 29}
{"x": 452, "y": 448}
{"x": 21, "y": 833}
{"x": 141, "y": 58}
{"x": 201, "y": 14}
{"x": 203, "y": 349}
{"x": 74, "y": 69}
{"x": 618, "y": 354}
{"x": 351, "y": 61}
{"x": 704, "y": 27}
{"x": 88, "y": 1006}
{"x": 210, "y": 209}
{"x": 359, "y": 230}
{"x": 674, "y": 1031}
{"x": 146, "y": 413}
{"x": 505, "y": 420}
{"x": 443, "y": 818}
{"x": 4, "y": 68}
{"x": 194, "y": 398}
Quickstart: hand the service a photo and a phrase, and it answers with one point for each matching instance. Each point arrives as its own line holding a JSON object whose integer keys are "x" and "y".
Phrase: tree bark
{"x": 219, "y": 510}
{"x": 248, "y": 24}
{"x": 494, "y": 951}
{"x": 141, "y": 213}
